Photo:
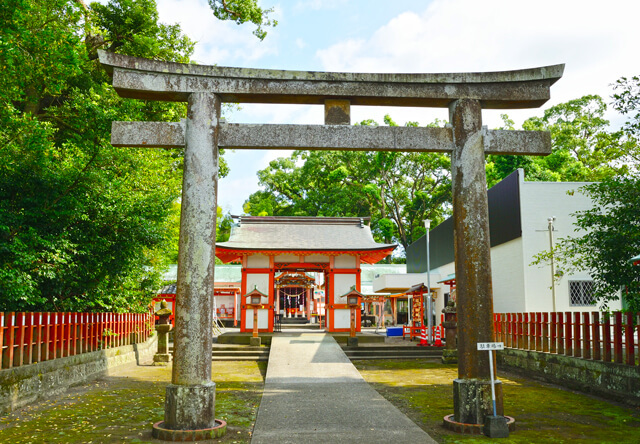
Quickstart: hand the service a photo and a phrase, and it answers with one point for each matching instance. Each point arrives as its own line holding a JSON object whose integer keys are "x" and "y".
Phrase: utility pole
{"x": 551, "y": 220}
{"x": 427, "y": 225}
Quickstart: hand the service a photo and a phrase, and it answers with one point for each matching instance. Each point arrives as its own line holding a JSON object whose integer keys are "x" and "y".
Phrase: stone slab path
{"x": 314, "y": 394}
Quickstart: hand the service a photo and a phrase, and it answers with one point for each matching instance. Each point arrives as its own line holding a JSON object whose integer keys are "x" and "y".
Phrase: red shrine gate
{"x": 271, "y": 247}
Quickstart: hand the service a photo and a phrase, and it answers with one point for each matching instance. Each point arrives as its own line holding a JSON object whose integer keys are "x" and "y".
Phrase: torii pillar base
{"x": 472, "y": 400}
{"x": 193, "y": 409}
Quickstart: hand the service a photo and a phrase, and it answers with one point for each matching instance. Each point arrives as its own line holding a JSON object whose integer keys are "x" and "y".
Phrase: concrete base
{"x": 496, "y": 427}
{"x": 352, "y": 342}
{"x": 473, "y": 429}
{"x": 472, "y": 400}
{"x": 449, "y": 356}
{"x": 160, "y": 359}
{"x": 160, "y": 432}
{"x": 255, "y": 342}
{"x": 190, "y": 407}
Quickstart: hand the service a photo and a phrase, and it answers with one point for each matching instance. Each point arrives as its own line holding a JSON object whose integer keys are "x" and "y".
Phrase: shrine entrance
{"x": 294, "y": 292}
{"x": 303, "y": 265}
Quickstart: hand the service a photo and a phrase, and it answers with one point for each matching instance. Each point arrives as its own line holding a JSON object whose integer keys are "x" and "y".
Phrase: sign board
{"x": 490, "y": 345}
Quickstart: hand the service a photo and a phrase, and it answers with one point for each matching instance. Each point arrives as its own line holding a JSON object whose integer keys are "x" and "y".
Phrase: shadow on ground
{"x": 544, "y": 413}
{"x": 122, "y": 407}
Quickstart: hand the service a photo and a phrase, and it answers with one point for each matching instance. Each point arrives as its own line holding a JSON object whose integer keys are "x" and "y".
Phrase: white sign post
{"x": 490, "y": 347}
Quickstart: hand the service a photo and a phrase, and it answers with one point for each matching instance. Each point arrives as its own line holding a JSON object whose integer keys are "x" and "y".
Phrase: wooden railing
{"x": 27, "y": 338}
{"x": 589, "y": 335}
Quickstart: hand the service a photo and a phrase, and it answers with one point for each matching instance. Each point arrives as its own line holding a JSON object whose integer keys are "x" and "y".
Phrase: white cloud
{"x": 596, "y": 41}
{"x": 317, "y": 5}
{"x": 218, "y": 42}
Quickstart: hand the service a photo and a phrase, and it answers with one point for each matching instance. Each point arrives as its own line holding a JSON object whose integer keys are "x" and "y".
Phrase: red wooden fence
{"x": 27, "y": 338}
{"x": 588, "y": 335}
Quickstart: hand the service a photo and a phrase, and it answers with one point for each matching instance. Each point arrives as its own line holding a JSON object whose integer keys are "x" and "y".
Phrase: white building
{"x": 519, "y": 213}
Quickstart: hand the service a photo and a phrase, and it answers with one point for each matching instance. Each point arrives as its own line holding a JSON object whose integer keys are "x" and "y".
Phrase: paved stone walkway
{"x": 313, "y": 394}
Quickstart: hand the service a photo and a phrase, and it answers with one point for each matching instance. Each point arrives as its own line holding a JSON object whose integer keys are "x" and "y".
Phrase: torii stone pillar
{"x": 472, "y": 390}
{"x": 191, "y": 396}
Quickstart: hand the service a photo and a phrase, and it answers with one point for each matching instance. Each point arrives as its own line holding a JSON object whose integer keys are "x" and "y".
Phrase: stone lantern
{"x": 162, "y": 357}
{"x": 450, "y": 325}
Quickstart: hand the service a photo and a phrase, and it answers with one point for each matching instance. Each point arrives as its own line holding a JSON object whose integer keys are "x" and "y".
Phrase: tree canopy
{"x": 398, "y": 190}
{"x": 608, "y": 234}
{"x": 584, "y": 148}
{"x": 84, "y": 226}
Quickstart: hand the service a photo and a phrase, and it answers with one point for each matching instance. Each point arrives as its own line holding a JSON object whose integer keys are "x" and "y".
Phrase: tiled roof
{"x": 302, "y": 234}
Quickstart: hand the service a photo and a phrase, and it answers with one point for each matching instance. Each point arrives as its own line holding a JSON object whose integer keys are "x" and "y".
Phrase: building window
{"x": 581, "y": 293}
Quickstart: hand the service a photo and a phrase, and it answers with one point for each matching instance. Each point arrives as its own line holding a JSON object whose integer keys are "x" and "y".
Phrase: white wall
{"x": 258, "y": 261}
{"x": 342, "y": 318}
{"x": 539, "y": 201}
{"x": 344, "y": 261}
{"x": 259, "y": 281}
{"x": 263, "y": 319}
{"x": 319, "y": 258}
{"x": 507, "y": 277}
{"x": 342, "y": 285}
{"x": 286, "y": 259}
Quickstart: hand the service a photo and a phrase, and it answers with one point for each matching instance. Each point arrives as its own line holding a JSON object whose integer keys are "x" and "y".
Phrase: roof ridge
{"x": 308, "y": 220}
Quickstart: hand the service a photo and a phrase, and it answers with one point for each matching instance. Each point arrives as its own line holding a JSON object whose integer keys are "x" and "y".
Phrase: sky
{"x": 598, "y": 42}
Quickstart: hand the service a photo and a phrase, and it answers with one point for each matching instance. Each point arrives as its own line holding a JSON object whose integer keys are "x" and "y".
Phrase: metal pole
{"x": 427, "y": 225}
{"x": 493, "y": 383}
{"x": 551, "y": 220}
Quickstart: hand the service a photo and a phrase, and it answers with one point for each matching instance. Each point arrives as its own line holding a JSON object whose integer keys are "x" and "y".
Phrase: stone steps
{"x": 391, "y": 352}
{"x": 238, "y": 353}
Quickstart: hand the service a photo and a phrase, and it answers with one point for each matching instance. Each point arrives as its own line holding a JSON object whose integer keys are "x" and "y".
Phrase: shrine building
{"x": 279, "y": 256}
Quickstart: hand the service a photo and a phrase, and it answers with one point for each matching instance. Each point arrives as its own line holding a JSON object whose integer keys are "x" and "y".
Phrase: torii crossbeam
{"x": 190, "y": 398}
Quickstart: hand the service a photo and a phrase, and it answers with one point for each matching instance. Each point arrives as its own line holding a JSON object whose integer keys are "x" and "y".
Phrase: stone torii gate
{"x": 190, "y": 398}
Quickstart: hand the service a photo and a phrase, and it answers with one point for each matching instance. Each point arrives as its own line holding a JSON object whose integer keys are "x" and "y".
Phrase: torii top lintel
{"x": 168, "y": 81}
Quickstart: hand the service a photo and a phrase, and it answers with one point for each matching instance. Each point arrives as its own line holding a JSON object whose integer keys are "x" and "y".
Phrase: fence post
{"x": 10, "y": 327}
{"x": 520, "y": 331}
{"x": 538, "y": 331}
{"x": 553, "y": 333}
{"x": 19, "y": 340}
{"x": 606, "y": 337}
{"x": 577, "y": 352}
{"x": 617, "y": 337}
{"x": 37, "y": 337}
{"x": 545, "y": 332}
{"x": 72, "y": 333}
{"x": 586, "y": 340}
{"x": 28, "y": 339}
{"x": 527, "y": 331}
{"x": 560, "y": 335}
{"x": 4, "y": 339}
{"x": 568, "y": 342}
{"x": 595, "y": 329}
{"x": 629, "y": 344}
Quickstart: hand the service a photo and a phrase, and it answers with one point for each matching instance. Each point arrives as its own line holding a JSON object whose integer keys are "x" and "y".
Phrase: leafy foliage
{"x": 627, "y": 101}
{"x": 583, "y": 147}
{"x": 398, "y": 190}
{"x": 243, "y": 11}
{"x": 612, "y": 237}
{"x": 84, "y": 226}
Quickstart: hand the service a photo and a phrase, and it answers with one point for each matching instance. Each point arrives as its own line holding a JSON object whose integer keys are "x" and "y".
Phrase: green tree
{"x": 83, "y": 225}
{"x": 243, "y": 11}
{"x": 627, "y": 102}
{"x": 611, "y": 237}
{"x": 583, "y": 146}
{"x": 398, "y": 190}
